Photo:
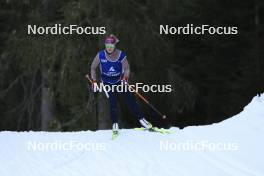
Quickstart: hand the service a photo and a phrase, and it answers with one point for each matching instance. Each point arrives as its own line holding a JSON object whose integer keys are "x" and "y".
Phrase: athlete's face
{"x": 110, "y": 48}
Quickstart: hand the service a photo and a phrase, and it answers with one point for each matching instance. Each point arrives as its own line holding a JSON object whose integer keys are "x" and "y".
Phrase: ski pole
{"x": 106, "y": 93}
{"x": 148, "y": 103}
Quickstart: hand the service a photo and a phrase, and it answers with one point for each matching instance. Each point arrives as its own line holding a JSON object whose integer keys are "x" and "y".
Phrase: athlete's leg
{"x": 113, "y": 106}
{"x": 132, "y": 104}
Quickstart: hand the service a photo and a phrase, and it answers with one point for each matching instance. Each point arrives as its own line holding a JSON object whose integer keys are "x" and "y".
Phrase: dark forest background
{"x": 42, "y": 84}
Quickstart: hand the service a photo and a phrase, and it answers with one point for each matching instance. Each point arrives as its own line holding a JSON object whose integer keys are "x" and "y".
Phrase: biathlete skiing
{"x": 114, "y": 69}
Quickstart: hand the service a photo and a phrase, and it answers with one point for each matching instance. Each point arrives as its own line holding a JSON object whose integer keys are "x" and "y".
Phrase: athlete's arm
{"x": 94, "y": 65}
{"x": 126, "y": 68}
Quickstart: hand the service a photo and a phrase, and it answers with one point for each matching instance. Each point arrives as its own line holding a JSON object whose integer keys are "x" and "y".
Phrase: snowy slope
{"x": 232, "y": 147}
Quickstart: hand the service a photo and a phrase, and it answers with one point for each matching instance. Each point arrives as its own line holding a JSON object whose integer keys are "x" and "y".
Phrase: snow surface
{"x": 233, "y": 147}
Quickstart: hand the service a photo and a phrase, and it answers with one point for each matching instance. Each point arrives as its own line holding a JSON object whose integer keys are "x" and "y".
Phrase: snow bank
{"x": 232, "y": 147}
